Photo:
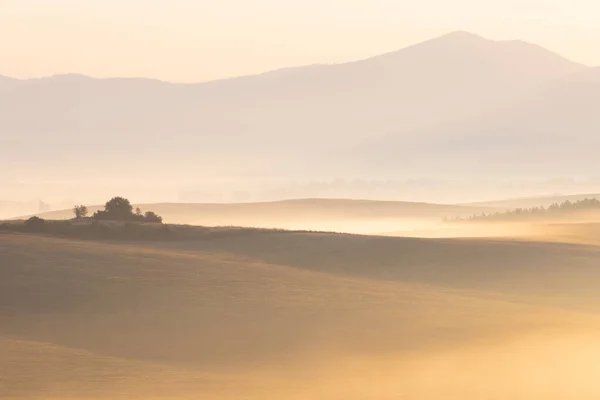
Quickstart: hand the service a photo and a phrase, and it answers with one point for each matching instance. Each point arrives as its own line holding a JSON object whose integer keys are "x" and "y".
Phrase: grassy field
{"x": 296, "y": 316}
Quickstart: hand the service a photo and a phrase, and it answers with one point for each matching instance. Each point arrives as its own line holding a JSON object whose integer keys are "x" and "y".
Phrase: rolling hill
{"x": 344, "y": 215}
{"x": 296, "y": 316}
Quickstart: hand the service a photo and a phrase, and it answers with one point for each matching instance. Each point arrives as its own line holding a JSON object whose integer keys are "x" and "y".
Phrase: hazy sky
{"x": 198, "y": 40}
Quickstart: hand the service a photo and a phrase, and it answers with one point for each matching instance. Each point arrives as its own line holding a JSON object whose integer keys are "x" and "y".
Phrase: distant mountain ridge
{"x": 385, "y": 114}
{"x": 453, "y": 41}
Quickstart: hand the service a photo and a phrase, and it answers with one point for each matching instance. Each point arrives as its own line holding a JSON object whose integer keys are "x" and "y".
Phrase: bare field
{"x": 297, "y": 315}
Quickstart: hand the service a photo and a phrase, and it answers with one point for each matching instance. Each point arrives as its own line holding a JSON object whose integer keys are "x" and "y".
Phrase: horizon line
{"x": 163, "y": 81}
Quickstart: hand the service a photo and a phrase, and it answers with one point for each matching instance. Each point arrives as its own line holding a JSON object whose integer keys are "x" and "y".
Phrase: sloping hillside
{"x": 249, "y": 318}
{"x": 549, "y": 131}
{"x": 550, "y": 273}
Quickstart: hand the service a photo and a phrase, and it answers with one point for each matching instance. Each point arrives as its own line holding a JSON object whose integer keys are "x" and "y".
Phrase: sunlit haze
{"x": 299, "y": 200}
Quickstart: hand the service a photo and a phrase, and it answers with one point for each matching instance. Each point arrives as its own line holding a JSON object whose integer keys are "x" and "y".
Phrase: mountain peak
{"x": 467, "y": 38}
{"x": 462, "y": 35}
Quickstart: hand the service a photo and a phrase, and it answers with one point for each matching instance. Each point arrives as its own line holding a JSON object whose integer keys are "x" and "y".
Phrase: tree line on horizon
{"x": 117, "y": 209}
{"x": 132, "y": 224}
{"x": 520, "y": 213}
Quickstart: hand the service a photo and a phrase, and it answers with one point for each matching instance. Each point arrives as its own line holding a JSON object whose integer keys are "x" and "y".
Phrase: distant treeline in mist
{"x": 555, "y": 209}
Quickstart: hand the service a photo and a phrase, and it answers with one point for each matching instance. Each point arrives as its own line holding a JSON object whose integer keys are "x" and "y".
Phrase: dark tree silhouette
{"x": 35, "y": 223}
{"x": 80, "y": 211}
{"x": 116, "y": 209}
{"x": 119, "y": 206}
{"x": 120, "y": 209}
{"x": 150, "y": 216}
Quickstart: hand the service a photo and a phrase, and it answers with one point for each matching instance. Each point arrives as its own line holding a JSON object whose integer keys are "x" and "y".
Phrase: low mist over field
{"x": 437, "y": 122}
{"x": 303, "y": 200}
{"x": 340, "y": 215}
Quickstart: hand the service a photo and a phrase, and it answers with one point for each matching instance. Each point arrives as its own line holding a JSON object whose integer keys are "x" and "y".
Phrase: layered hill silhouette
{"x": 552, "y": 129}
{"x": 459, "y": 94}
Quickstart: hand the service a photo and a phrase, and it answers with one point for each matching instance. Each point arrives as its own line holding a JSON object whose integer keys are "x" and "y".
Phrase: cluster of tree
{"x": 554, "y": 209}
{"x": 118, "y": 209}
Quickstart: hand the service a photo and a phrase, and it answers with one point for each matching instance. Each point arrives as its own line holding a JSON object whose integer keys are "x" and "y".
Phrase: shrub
{"x": 101, "y": 216}
{"x": 150, "y": 216}
{"x": 35, "y": 223}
